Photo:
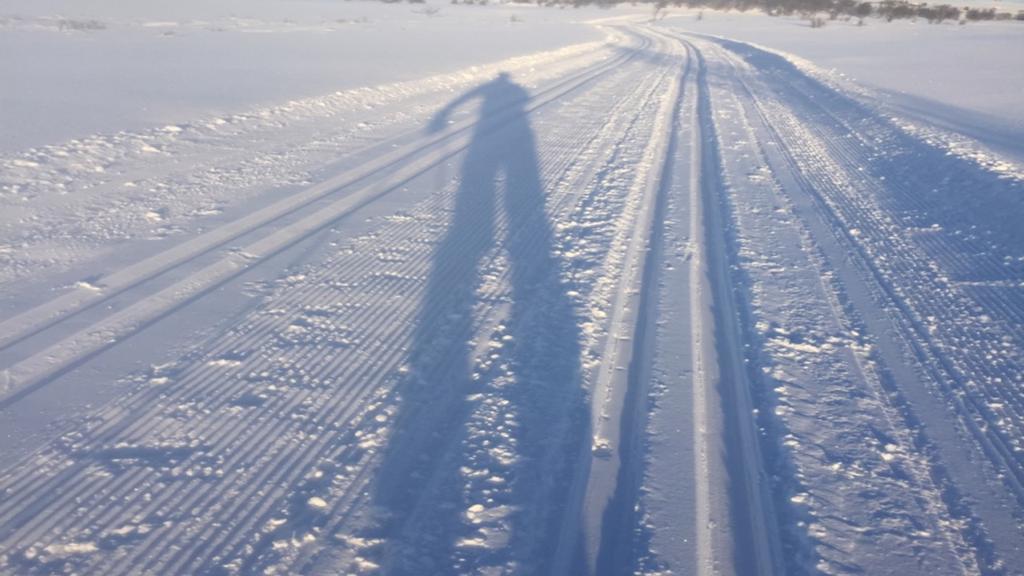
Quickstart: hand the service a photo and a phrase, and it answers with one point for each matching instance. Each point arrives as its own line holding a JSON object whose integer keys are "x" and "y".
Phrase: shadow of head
{"x": 499, "y": 96}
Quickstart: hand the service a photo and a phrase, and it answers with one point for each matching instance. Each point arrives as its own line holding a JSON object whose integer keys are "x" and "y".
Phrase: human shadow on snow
{"x": 492, "y": 411}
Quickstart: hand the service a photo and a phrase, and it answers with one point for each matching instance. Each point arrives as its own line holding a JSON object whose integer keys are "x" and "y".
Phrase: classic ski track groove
{"x": 759, "y": 517}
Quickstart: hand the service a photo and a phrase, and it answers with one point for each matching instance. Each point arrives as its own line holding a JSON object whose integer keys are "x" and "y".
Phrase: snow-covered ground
{"x": 131, "y": 66}
{"x": 961, "y": 78}
{"x": 971, "y": 67}
{"x": 300, "y": 286}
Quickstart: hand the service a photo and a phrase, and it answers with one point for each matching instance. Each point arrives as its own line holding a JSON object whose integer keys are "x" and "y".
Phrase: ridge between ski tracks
{"x": 598, "y": 471}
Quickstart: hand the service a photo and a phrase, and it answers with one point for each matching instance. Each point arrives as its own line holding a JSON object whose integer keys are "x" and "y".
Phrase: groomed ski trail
{"x": 285, "y": 418}
{"x": 662, "y": 304}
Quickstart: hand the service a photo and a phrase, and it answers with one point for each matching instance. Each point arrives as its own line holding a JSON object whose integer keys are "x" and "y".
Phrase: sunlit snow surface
{"x": 345, "y": 287}
{"x": 172, "y": 62}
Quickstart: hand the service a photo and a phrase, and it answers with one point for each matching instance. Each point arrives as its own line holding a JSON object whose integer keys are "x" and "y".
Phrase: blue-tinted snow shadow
{"x": 448, "y": 422}
{"x": 978, "y": 209}
{"x": 1003, "y": 135}
{"x": 976, "y": 212}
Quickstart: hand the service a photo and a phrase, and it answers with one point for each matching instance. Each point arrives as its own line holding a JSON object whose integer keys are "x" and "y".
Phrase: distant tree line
{"x": 887, "y": 9}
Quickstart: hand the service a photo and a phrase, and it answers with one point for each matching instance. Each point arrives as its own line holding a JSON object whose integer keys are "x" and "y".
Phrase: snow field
{"x": 65, "y": 202}
{"x": 662, "y": 303}
{"x": 74, "y": 69}
{"x": 957, "y": 76}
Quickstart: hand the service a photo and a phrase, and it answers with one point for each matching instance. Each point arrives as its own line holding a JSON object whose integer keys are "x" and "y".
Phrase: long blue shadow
{"x": 421, "y": 485}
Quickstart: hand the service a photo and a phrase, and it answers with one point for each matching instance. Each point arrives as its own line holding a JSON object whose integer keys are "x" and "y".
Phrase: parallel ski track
{"x": 360, "y": 186}
{"x": 618, "y": 549}
{"x": 897, "y": 420}
{"x": 758, "y": 527}
{"x": 580, "y": 527}
{"x": 959, "y": 350}
{"x": 243, "y": 444}
{"x": 580, "y": 516}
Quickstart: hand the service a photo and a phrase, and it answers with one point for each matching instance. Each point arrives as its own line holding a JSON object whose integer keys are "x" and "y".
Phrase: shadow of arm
{"x": 440, "y": 119}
